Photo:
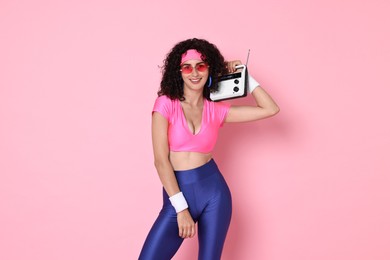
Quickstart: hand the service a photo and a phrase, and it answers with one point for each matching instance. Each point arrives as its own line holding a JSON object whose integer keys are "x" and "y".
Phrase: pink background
{"x": 77, "y": 83}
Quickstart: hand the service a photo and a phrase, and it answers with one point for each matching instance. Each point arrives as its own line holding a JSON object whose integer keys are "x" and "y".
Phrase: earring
{"x": 210, "y": 82}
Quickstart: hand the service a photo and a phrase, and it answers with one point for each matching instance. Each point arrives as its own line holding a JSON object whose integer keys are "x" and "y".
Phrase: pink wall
{"x": 77, "y": 83}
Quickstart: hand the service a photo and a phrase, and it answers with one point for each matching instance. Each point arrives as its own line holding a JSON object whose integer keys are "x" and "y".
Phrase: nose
{"x": 194, "y": 71}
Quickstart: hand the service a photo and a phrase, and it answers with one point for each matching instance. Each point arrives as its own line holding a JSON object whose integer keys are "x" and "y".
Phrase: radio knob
{"x": 236, "y": 81}
{"x": 236, "y": 89}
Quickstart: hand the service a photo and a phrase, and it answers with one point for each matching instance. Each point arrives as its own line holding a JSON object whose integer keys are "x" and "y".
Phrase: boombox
{"x": 232, "y": 85}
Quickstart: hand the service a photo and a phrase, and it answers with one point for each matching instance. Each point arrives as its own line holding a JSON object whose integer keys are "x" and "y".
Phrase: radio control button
{"x": 236, "y": 81}
{"x": 236, "y": 89}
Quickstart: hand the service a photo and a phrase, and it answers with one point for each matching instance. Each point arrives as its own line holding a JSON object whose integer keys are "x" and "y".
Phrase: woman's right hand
{"x": 186, "y": 224}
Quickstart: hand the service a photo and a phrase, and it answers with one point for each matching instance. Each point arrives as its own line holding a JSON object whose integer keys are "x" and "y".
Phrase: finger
{"x": 236, "y": 63}
{"x": 188, "y": 231}
{"x": 192, "y": 231}
{"x": 228, "y": 67}
{"x": 182, "y": 230}
{"x": 231, "y": 67}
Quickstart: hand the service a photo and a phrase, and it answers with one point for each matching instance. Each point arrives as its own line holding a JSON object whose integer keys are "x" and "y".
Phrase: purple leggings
{"x": 210, "y": 205}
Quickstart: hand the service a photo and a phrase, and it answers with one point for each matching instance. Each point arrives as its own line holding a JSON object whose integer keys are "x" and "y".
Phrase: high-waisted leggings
{"x": 210, "y": 205}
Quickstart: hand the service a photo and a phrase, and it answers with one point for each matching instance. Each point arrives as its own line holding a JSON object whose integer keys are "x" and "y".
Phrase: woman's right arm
{"x": 165, "y": 171}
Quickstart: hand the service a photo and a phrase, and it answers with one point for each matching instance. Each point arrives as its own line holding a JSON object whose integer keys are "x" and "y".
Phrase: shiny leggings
{"x": 210, "y": 205}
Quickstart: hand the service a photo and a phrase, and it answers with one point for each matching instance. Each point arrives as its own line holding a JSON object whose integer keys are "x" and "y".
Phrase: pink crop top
{"x": 180, "y": 137}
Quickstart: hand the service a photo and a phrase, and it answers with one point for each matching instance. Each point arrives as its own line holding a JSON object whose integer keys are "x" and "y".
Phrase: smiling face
{"x": 194, "y": 73}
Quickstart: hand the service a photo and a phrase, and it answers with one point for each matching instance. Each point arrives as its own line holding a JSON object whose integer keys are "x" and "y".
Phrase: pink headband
{"x": 191, "y": 54}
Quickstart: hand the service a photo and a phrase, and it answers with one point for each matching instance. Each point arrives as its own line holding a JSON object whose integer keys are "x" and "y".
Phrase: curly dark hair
{"x": 172, "y": 81}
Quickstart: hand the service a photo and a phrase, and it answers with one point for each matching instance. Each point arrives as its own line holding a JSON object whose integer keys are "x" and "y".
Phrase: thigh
{"x": 213, "y": 225}
{"x": 163, "y": 240}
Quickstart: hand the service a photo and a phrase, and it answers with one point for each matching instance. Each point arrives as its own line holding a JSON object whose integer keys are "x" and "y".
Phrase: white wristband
{"x": 178, "y": 202}
{"x": 252, "y": 83}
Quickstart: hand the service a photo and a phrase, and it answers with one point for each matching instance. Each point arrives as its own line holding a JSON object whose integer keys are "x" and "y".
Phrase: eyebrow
{"x": 195, "y": 64}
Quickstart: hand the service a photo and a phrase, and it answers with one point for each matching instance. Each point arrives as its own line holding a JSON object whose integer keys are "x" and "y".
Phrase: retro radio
{"x": 232, "y": 85}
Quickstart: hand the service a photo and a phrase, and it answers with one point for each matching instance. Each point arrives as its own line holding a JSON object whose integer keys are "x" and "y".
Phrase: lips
{"x": 195, "y": 80}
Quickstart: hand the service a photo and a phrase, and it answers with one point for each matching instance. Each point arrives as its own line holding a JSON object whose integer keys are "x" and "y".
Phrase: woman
{"x": 185, "y": 126}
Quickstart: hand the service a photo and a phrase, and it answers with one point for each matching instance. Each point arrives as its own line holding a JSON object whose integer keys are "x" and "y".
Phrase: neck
{"x": 193, "y": 97}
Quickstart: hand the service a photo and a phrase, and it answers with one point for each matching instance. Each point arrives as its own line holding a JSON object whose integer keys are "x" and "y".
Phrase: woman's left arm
{"x": 266, "y": 106}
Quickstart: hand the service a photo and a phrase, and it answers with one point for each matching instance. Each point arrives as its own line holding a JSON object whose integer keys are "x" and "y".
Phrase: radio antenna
{"x": 247, "y": 57}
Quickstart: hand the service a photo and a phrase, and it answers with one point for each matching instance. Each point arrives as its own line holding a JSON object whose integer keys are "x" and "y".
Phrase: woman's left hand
{"x": 231, "y": 65}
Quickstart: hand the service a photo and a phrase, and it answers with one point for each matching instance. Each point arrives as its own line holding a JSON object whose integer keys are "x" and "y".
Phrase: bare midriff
{"x": 188, "y": 160}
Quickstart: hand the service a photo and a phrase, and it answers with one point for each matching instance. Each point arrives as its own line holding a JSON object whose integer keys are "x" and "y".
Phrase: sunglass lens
{"x": 186, "y": 69}
{"x": 201, "y": 67}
